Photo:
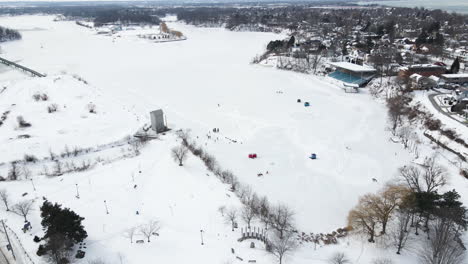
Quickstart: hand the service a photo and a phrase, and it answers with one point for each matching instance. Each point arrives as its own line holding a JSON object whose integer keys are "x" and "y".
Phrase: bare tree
{"x": 26, "y": 172}
{"x": 150, "y": 229}
{"x": 396, "y": 107}
{"x": 363, "y": 217}
{"x": 316, "y": 240}
{"x": 386, "y": 201}
{"x": 58, "y": 168}
{"x": 247, "y": 214}
{"x": 405, "y": 133}
{"x": 442, "y": 246}
{"x": 23, "y": 208}
{"x": 130, "y": 233}
{"x": 231, "y": 216}
{"x": 316, "y": 59}
{"x": 338, "y": 258}
{"x": 434, "y": 176}
{"x": 282, "y": 244}
{"x": 222, "y": 210}
{"x": 15, "y": 172}
{"x": 184, "y": 135}
{"x": 180, "y": 154}
{"x": 264, "y": 211}
{"x": 412, "y": 177}
{"x": 282, "y": 218}
{"x": 430, "y": 179}
{"x": 400, "y": 232}
{"x": 5, "y": 196}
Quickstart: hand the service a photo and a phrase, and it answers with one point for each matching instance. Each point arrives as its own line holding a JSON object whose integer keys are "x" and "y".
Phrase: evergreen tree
{"x": 455, "y": 66}
{"x": 291, "y": 41}
{"x": 58, "y": 220}
{"x": 450, "y": 207}
{"x": 63, "y": 229}
{"x": 439, "y": 39}
{"x": 422, "y": 38}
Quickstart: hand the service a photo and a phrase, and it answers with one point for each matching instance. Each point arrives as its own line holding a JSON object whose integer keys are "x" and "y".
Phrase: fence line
{"x": 254, "y": 233}
{"x": 23, "y": 252}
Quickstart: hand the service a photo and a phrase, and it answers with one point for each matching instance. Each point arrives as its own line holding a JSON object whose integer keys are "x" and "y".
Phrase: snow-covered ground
{"x": 202, "y": 83}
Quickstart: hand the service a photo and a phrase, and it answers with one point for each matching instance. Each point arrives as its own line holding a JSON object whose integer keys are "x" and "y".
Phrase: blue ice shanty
{"x": 306, "y": 104}
{"x": 313, "y": 156}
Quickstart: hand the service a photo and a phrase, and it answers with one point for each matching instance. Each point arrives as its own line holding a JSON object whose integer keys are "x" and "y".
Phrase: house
{"x": 458, "y": 78}
{"x": 421, "y": 69}
{"x": 462, "y": 101}
{"x": 461, "y": 94}
{"x": 419, "y": 82}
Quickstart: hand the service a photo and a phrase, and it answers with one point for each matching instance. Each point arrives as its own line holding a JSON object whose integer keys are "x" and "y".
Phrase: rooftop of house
{"x": 421, "y": 66}
{"x": 455, "y": 76}
{"x": 352, "y": 67}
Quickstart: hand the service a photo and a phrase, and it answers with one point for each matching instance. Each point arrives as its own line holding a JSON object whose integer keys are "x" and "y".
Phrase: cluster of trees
{"x": 297, "y": 16}
{"x": 63, "y": 230}
{"x": 280, "y": 45}
{"x": 18, "y": 170}
{"x": 125, "y": 16}
{"x": 402, "y": 115}
{"x": 7, "y": 34}
{"x": 414, "y": 205}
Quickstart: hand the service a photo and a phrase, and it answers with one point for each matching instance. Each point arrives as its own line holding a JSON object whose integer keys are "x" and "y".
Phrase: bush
{"x": 92, "y": 108}
{"x": 432, "y": 124}
{"x": 30, "y": 158}
{"x": 449, "y": 133}
{"x": 36, "y": 239}
{"x": 36, "y": 96}
{"x": 22, "y": 122}
{"x": 464, "y": 173}
{"x": 52, "y": 108}
{"x": 461, "y": 141}
{"x": 41, "y": 250}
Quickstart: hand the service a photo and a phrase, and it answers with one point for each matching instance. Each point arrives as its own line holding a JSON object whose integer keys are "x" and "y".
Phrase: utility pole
{"x": 77, "y": 193}
{"x": 8, "y": 239}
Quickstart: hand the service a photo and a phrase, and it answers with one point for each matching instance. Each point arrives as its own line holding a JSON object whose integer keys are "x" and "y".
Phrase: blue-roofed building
{"x": 352, "y": 74}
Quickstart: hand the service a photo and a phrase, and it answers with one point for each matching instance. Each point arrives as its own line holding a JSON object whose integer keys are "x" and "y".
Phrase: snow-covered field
{"x": 201, "y": 83}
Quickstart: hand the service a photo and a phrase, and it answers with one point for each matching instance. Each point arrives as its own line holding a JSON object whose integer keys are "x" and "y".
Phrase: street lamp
{"x": 201, "y": 236}
{"x": 32, "y": 182}
{"x": 105, "y": 204}
{"x": 77, "y": 193}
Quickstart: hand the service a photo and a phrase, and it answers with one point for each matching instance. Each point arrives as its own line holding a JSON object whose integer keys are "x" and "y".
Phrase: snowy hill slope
{"x": 71, "y": 121}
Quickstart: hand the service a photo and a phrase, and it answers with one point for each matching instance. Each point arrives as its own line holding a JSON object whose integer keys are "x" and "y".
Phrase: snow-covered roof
{"x": 455, "y": 76}
{"x": 352, "y": 67}
{"x": 415, "y": 75}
